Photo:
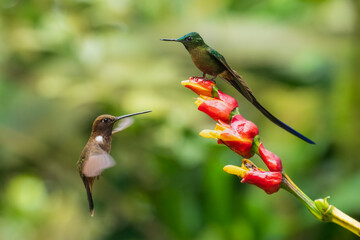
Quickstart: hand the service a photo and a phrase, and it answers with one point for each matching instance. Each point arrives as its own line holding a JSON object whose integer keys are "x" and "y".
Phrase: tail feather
{"x": 280, "y": 123}
{"x": 88, "y": 182}
{"x": 240, "y": 85}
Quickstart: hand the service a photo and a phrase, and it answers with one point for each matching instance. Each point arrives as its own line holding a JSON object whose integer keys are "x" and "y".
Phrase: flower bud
{"x": 272, "y": 161}
{"x": 247, "y": 128}
{"x": 218, "y": 109}
{"x": 268, "y": 181}
{"x": 238, "y": 136}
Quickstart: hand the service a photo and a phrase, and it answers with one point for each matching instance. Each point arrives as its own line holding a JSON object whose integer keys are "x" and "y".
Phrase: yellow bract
{"x": 210, "y": 133}
{"x": 246, "y": 166}
{"x": 219, "y": 128}
{"x": 235, "y": 170}
{"x": 199, "y": 101}
{"x": 194, "y": 85}
{"x": 202, "y": 98}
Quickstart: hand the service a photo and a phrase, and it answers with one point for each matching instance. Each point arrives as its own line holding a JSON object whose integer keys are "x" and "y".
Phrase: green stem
{"x": 256, "y": 145}
{"x": 321, "y": 209}
{"x": 233, "y": 113}
{"x": 290, "y": 186}
{"x": 214, "y": 92}
{"x": 332, "y": 214}
{"x": 344, "y": 220}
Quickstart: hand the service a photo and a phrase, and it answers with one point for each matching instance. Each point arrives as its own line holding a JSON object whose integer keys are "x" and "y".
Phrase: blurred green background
{"x": 65, "y": 62}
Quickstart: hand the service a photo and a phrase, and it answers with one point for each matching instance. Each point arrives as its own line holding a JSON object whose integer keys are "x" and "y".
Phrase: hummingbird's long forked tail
{"x": 280, "y": 123}
{"x": 88, "y": 182}
{"x": 239, "y": 84}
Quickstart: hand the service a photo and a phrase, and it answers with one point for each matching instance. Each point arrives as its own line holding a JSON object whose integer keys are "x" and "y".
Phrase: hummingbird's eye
{"x": 106, "y": 120}
{"x": 189, "y": 39}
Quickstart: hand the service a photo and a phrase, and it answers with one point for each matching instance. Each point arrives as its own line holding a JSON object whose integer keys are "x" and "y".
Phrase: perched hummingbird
{"x": 95, "y": 157}
{"x": 210, "y": 62}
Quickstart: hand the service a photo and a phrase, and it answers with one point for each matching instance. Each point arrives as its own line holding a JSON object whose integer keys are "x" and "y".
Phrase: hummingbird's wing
{"x": 123, "y": 123}
{"x": 241, "y": 86}
{"x": 96, "y": 163}
{"x": 234, "y": 79}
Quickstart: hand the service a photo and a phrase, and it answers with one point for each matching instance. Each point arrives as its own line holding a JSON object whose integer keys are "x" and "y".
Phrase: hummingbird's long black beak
{"x": 169, "y": 39}
{"x": 131, "y": 114}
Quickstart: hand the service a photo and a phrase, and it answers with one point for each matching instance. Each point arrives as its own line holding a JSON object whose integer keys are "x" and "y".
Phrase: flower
{"x": 219, "y": 109}
{"x": 268, "y": 181}
{"x": 238, "y": 136}
{"x": 272, "y": 161}
{"x": 199, "y": 86}
{"x": 247, "y": 128}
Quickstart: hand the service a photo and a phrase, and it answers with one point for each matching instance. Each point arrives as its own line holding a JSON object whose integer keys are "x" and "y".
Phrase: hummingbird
{"x": 212, "y": 63}
{"x": 95, "y": 157}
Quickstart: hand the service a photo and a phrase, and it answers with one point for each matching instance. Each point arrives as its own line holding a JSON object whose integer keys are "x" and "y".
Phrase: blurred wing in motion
{"x": 123, "y": 123}
{"x": 97, "y": 163}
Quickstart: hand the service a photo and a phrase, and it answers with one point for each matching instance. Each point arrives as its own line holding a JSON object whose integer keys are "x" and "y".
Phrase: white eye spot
{"x": 99, "y": 139}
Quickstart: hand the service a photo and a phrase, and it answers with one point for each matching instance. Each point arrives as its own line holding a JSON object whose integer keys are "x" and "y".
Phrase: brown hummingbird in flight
{"x": 211, "y": 62}
{"x": 95, "y": 157}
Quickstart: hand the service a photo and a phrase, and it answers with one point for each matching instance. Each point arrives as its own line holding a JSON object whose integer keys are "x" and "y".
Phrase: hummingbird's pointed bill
{"x": 130, "y": 115}
{"x": 169, "y": 39}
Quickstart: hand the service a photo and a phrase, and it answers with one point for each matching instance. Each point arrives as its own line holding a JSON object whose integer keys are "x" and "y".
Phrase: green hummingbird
{"x": 95, "y": 157}
{"x": 211, "y": 62}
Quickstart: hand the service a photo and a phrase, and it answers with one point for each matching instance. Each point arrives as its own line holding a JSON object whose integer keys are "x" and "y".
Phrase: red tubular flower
{"x": 199, "y": 86}
{"x": 268, "y": 181}
{"x": 244, "y": 127}
{"x": 218, "y": 109}
{"x": 238, "y": 136}
{"x": 272, "y": 161}
{"x": 229, "y": 100}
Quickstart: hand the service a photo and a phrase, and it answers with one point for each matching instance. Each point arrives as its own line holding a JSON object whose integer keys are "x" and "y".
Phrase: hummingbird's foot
{"x": 202, "y": 77}
{"x": 211, "y": 79}
{"x": 205, "y": 79}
